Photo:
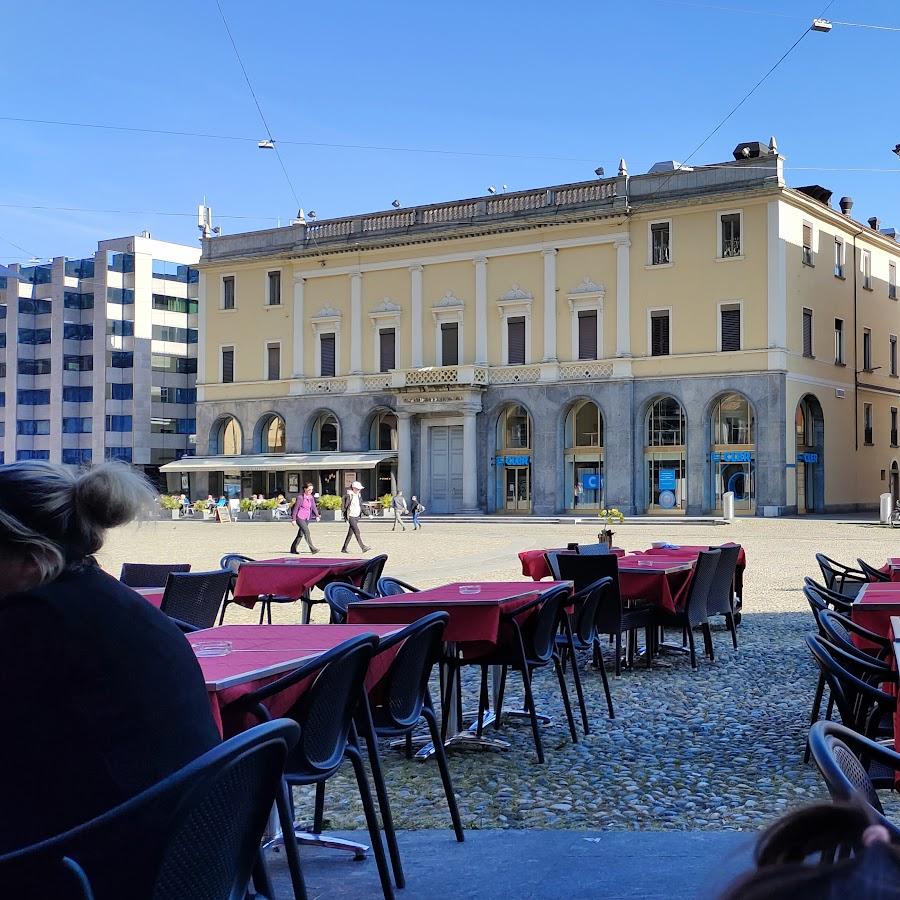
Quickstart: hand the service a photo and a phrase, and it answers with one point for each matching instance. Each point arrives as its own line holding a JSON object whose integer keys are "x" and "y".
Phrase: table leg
{"x": 273, "y": 838}
{"x": 305, "y": 608}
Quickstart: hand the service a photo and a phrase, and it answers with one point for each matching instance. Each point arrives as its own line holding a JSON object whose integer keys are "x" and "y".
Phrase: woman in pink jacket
{"x": 305, "y": 509}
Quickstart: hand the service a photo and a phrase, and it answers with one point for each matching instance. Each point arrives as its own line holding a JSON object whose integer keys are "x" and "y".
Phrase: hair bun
{"x": 110, "y": 494}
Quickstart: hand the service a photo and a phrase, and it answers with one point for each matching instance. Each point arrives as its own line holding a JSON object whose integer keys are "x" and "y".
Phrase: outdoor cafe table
{"x": 892, "y": 568}
{"x": 873, "y": 607}
{"x": 292, "y": 577}
{"x": 475, "y": 619}
{"x": 151, "y": 595}
{"x": 260, "y": 653}
{"x": 534, "y": 562}
{"x": 692, "y": 551}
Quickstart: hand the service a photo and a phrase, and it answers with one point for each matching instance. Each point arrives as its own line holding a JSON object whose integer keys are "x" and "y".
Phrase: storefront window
{"x": 383, "y": 436}
{"x": 513, "y": 460}
{"x": 732, "y": 452}
{"x": 665, "y": 471}
{"x": 584, "y": 457}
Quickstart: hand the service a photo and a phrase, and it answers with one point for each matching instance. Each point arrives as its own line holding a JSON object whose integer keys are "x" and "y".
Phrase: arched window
{"x": 665, "y": 469}
{"x": 226, "y": 438}
{"x": 584, "y": 456}
{"x": 809, "y": 468}
{"x": 733, "y": 421}
{"x": 383, "y": 432}
{"x": 513, "y": 460}
{"x": 383, "y": 436}
{"x": 514, "y": 429}
{"x": 326, "y": 433}
{"x": 270, "y": 434}
{"x": 665, "y": 423}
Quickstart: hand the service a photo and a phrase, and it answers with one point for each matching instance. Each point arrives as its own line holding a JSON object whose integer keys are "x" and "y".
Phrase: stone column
{"x": 404, "y": 452}
{"x": 415, "y": 281}
{"x": 480, "y": 311}
{"x": 623, "y": 297}
{"x": 298, "y": 325}
{"x": 470, "y": 463}
{"x": 356, "y": 323}
{"x": 549, "y": 305}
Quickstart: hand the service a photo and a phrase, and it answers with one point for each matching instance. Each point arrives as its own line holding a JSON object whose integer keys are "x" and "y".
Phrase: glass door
{"x": 518, "y": 489}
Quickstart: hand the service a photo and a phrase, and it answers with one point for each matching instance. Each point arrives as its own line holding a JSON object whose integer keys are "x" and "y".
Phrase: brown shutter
{"x": 659, "y": 334}
{"x": 731, "y": 328}
{"x": 387, "y": 345}
{"x": 326, "y": 352}
{"x": 227, "y": 366}
{"x": 587, "y": 335}
{"x": 449, "y": 344}
{"x": 274, "y": 364}
{"x": 515, "y": 335}
{"x": 807, "y": 332}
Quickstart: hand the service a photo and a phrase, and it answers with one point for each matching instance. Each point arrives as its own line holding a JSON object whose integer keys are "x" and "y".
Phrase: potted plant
{"x": 609, "y": 517}
{"x": 200, "y": 510}
{"x": 385, "y": 501}
{"x": 263, "y": 511}
{"x": 171, "y": 505}
{"x": 329, "y": 504}
{"x": 244, "y": 508}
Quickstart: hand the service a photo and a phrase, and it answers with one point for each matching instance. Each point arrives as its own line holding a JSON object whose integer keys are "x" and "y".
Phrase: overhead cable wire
{"x": 124, "y": 212}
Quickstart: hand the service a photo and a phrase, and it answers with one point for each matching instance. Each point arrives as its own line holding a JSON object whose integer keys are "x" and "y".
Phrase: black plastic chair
{"x": 325, "y": 713}
{"x": 820, "y": 597}
{"x": 584, "y": 635}
{"x": 593, "y": 549}
{"x": 149, "y": 575}
{"x": 871, "y": 572}
{"x": 720, "y": 601}
{"x": 839, "y": 629}
{"x": 194, "y": 598}
{"x": 531, "y": 630}
{"x": 694, "y": 612}
{"x": 840, "y": 578}
{"x": 339, "y": 596}
{"x": 194, "y": 836}
{"x": 371, "y": 573}
{"x": 231, "y": 562}
{"x": 846, "y": 759}
{"x": 389, "y": 587}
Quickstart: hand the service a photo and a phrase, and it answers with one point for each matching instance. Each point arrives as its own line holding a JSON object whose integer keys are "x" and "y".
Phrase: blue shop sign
{"x": 514, "y": 460}
{"x": 808, "y": 457}
{"x": 592, "y": 482}
{"x": 732, "y": 456}
{"x": 667, "y": 479}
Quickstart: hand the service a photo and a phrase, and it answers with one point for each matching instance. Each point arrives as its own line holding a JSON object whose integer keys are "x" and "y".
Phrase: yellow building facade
{"x": 647, "y": 341}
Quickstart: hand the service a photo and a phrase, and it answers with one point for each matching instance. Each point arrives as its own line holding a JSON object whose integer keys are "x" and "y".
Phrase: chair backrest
{"x": 838, "y": 577}
{"x": 585, "y": 570}
{"x": 193, "y": 836}
{"x": 593, "y": 549}
{"x": 721, "y": 595}
{"x": 406, "y": 684}
{"x": 232, "y": 562}
{"x": 339, "y": 596}
{"x": 839, "y": 629}
{"x": 389, "y": 587}
{"x": 871, "y": 572}
{"x": 149, "y": 575}
{"x": 195, "y": 597}
{"x": 539, "y": 631}
{"x": 701, "y": 583}
{"x": 552, "y": 557}
{"x": 823, "y": 596}
{"x": 586, "y": 616}
{"x": 371, "y": 574}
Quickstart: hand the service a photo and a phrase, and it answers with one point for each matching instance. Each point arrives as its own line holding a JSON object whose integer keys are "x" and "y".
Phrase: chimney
{"x": 875, "y": 223}
{"x": 846, "y": 205}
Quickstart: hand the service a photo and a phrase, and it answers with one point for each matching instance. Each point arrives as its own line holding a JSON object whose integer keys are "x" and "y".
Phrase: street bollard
{"x": 886, "y": 507}
{"x": 728, "y": 505}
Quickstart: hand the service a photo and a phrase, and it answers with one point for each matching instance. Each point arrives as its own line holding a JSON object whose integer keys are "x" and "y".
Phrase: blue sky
{"x": 577, "y": 83}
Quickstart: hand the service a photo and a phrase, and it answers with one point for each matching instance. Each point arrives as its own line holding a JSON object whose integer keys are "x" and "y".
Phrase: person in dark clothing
{"x": 103, "y": 696}
{"x": 352, "y": 509}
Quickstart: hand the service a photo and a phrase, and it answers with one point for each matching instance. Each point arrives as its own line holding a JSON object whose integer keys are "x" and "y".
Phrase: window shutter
{"x": 274, "y": 288}
{"x": 274, "y": 352}
{"x": 515, "y": 335}
{"x": 807, "y": 235}
{"x": 587, "y": 335}
{"x": 326, "y": 352}
{"x": 387, "y": 349}
{"x": 659, "y": 334}
{"x": 449, "y": 344}
{"x": 731, "y": 328}
{"x": 807, "y": 332}
{"x": 227, "y": 366}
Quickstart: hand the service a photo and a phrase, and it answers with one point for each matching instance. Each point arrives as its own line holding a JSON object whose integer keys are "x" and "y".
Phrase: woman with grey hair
{"x": 102, "y": 695}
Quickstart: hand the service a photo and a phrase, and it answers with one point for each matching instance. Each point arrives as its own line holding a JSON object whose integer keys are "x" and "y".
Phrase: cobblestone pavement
{"x": 717, "y": 748}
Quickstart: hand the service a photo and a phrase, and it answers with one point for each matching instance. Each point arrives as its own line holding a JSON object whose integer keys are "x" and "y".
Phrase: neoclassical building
{"x": 647, "y": 341}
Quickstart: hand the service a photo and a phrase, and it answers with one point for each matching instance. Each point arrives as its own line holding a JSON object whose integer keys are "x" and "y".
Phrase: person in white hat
{"x": 352, "y": 508}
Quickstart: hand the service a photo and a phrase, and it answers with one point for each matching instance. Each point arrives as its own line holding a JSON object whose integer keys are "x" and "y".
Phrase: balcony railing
{"x": 731, "y": 248}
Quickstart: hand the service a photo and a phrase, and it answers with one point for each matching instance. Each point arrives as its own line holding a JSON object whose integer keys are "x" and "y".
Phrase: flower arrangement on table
{"x": 610, "y": 517}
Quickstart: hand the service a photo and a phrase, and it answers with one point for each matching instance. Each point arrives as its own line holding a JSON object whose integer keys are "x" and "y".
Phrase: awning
{"x": 279, "y": 462}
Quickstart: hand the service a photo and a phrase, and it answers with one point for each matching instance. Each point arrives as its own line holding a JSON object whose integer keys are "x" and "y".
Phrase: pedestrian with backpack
{"x": 416, "y": 508}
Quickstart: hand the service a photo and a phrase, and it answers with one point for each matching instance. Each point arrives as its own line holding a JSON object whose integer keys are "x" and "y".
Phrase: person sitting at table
{"x": 103, "y": 695}
{"x": 210, "y": 502}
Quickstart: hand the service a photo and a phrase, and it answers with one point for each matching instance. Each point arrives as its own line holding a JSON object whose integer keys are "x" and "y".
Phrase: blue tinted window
{"x": 121, "y": 391}
{"x": 120, "y": 327}
{"x": 76, "y": 457}
{"x": 34, "y": 336}
{"x": 33, "y": 426}
{"x": 118, "y": 423}
{"x": 121, "y": 359}
{"x": 32, "y": 454}
{"x": 80, "y": 268}
{"x": 120, "y": 295}
{"x": 36, "y": 274}
{"x": 185, "y": 395}
{"x": 121, "y": 262}
{"x": 2, "y": 310}
{"x": 33, "y": 366}
{"x": 121, "y": 453}
{"x": 73, "y": 393}
{"x": 32, "y": 398}
{"x": 2, "y": 339}
{"x": 75, "y": 332}
{"x": 175, "y": 271}
{"x": 74, "y": 300}
{"x": 2, "y": 398}
{"x": 76, "y": 425}
{"x": 3, "y": 283}
{"x": 175, "y": 304}
{"x": 178, "y": 335}
{"x": 185, "y": 426}
{"x": 73, "y": 363}
{"x": 30, "y": 307}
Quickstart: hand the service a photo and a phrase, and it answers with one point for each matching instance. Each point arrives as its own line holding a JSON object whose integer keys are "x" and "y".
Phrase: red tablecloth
{"x": 664, "y": 582}
{"x": 291, "y": 577}
{"x": 691, "y": 551}
{"x": 892, "y": 568}
{"x": 151, "y": 595}
{"x": 534, "y": 562}
{"x": 473, "y": 617}
{"x": 262, "y": 653}
{"x": 873, "y": 608}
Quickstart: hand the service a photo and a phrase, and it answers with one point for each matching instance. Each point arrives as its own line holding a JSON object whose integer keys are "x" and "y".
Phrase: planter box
{"x": 208, "y": 514}
{"x": 330, "y": 515}
{"x": 262, "y": 515}
{"x": 241, "y": 516}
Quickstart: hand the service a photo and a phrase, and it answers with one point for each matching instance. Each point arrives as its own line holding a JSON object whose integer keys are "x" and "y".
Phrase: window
{"x": 838, "y": 257}
{"x": 273, "y": 362}
{"x": 893, "y": 426}
{"x": 730, "y": 324}
{"x": 228, "y": 292}
{"x": 33, "y": 366}
{"x": 119, "y": 391}
{"x": 659, "y": 332}
{"x": 515, "y": 333}
{"x": 174, "y": 335}
{"x": 73, "y": 363}
{"x": 449, "y": 343}
{"x": 28, "y": 307}
{"x": 227, "y": 365}
{"x": 118, "y": 423}
{"x": 120, "y": 359}
{"x": 659, "y": 244}
{"x": 3, "y": 340}
{"x": 75, "y": 332}
{"x": 33, "y": 426}
{"x": 807, "y": 332}
{"x": 326, "y": 433}
{"x": 274, "y": 288}
{"x": 867, "y": 269}
{"x": 173, "y": 271}
{"x": 34, "y": 336}
{"x": 185, "y": 395}
{"x": 76, "y": 457}
{"x": 37, "y": 274}
{"x": 730, "y": 228}
{"x": 77, "y": 425}
{"x": 78, "y": 394}
{"x": 180, "y": 365}
{"x": 868, "y": 436}
{"x": 74, "y": 300}
{"x": 867, "y": 349}
{"x": 326, "y": 355}
{"x": 123, "y": 454}
{"x": 587, "y": 334}
{"x": 892, "y": 280}
{"x": 893, "y": 351}
{"x": 807, "y": 244}
{"x": 839, "y": 342}
{"x": 120, "y": 327}
{"x": 80, "y": 268}
{"x": 175, "y": 304}
{"x": 162, "y": 426}
{"x": 387, "y": 349}
{"x": 122, "y": 296}
{"x": 31, "y": 454}
{"x": 3, "y": 399}
{"x": 121, "y": 262}
{"x": 32, "y": 398}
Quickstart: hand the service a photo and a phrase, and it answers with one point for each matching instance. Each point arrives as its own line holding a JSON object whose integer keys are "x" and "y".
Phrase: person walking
{"x": 416, "y": 508}
{"x": 398, "y": 505}
{"x": 352, "y": 509}
{"x": 304, "y": 510}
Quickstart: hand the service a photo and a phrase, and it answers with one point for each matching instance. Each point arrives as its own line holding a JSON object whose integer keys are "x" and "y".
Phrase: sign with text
{"x": 808, "y": 457}
{"x": 732, "y": 456}
{"x": 223, "y": 514}
{"x": 514, "y": 460}
{"x": 667, "y": 479}
{"x": 592, "y": 482}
